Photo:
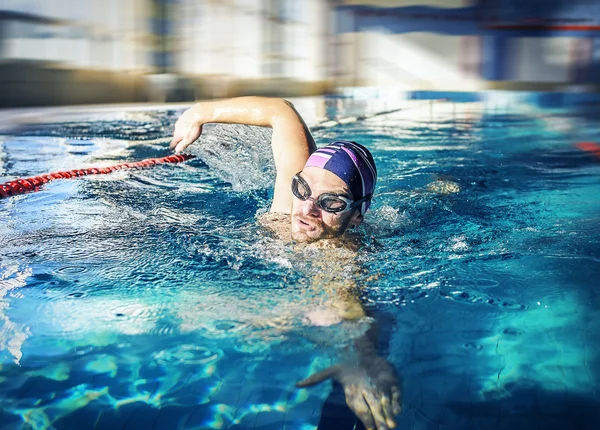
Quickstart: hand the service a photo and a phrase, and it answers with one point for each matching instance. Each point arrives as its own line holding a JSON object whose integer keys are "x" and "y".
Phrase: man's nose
{"x": 310, "y": 207}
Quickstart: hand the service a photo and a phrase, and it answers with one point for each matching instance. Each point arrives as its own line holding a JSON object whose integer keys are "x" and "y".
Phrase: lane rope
{"x": 27, "y": 185}
{"x": 590, "y": 147}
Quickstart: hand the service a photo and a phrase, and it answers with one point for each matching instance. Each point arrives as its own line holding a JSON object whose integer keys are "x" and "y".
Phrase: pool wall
{"x": 108, "y": 51}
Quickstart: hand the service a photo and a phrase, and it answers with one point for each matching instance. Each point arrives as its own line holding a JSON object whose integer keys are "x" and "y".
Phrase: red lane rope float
{"x": 591, "y": 147}
{"x": 26, "y": 185}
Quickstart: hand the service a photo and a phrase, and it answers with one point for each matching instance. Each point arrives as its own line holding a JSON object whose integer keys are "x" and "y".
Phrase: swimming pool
{"x": 152, "y": 299}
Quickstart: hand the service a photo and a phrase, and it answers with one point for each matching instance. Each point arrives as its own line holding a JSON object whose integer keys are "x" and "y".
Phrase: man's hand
{"x": 188, "y": 129}
{"x": 372, "y": 390}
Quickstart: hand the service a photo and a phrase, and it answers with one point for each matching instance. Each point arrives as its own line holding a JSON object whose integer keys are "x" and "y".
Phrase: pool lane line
{"x": 26, "y": 185}
{"x": 589, "y": 147}
{"x": 348, "y": 119}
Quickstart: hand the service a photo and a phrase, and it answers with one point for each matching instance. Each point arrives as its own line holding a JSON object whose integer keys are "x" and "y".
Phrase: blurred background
{"x": 56, "y": 52}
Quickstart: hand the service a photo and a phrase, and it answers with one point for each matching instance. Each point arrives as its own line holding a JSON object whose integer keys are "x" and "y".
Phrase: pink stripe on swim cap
{"x": 317, "y": 159}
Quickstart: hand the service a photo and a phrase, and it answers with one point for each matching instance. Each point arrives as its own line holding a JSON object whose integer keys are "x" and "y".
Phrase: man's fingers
{"x": 190, "y": 137}
{"x": 359, "y": 406}
{"x": 181, "y": 145}
{"x": 396, "y": 401}
{"x": 318, "y": 377}
{"x": 376, "y": 411}
{"x": 175, "y": 141}
{"x": 388, "y": 411}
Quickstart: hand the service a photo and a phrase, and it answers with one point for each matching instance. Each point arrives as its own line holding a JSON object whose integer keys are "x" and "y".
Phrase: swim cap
{"x": 351, "y": 162}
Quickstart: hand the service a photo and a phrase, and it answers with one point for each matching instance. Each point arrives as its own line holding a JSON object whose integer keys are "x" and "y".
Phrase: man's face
{"x": 309, "y": 221}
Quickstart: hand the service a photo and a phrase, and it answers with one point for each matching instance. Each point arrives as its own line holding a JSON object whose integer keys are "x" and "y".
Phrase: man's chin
{"x": 302, "y": 236}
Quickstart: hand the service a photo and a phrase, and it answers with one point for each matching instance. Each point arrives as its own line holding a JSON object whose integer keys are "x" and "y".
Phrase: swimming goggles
{"x": 329, "y": 202}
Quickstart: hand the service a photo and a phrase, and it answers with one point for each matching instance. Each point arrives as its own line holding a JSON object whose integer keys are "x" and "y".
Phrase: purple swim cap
{"x": 351, "y": 162}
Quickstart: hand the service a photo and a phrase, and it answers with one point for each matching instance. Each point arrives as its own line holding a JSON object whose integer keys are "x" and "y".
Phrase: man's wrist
{"x": 199, "y": 114}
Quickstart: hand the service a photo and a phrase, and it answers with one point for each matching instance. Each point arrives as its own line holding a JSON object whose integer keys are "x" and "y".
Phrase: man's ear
{"x": 356, "y": 219}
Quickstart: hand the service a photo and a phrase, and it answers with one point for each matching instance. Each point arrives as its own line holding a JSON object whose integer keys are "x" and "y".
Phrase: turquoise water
{"x": 151, "y": 298}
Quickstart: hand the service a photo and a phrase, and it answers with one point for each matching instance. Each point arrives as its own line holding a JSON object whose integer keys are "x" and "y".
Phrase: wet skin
{"x": 371, "y": 385}
{"x": 309, "y": 221}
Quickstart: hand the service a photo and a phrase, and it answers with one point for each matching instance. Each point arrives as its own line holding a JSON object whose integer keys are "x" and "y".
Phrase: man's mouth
{"x": 303, "y": 225}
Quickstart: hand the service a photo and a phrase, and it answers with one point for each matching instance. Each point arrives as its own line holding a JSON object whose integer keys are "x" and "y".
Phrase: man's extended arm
{"x": 291, "y": 142}
{"x": 371, "y": 384}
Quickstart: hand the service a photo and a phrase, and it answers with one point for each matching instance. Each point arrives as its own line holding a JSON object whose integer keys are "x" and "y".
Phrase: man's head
{"x": 333, "y": 191}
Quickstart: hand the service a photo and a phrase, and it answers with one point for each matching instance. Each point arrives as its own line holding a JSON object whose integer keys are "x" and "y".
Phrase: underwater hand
{"x": 372, "y": 390}
{"x": 188, "y": 129}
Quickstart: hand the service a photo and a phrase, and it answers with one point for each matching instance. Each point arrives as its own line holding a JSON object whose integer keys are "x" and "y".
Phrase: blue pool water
{"x": 152, "y": 299}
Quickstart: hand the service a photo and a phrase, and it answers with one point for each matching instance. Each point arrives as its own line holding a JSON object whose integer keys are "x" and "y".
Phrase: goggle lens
{"x": 300, "y": 188}
{"x": 331, "y": 204}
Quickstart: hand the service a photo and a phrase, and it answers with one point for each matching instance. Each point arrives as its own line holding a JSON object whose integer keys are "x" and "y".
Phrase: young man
{"x": 322, "y": 193}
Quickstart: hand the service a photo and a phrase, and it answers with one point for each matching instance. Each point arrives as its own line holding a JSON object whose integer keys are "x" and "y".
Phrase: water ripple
{"x": 187, "y": 354}
{"x": 72, "y": 269}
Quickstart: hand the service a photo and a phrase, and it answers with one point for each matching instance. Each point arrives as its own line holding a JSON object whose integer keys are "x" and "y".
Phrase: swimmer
{"x": 320, "y": 195}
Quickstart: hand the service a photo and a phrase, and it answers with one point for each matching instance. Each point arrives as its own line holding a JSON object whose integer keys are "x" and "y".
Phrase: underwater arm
{"x": 291, "y": 142}
{"x": 371, "y": 384}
